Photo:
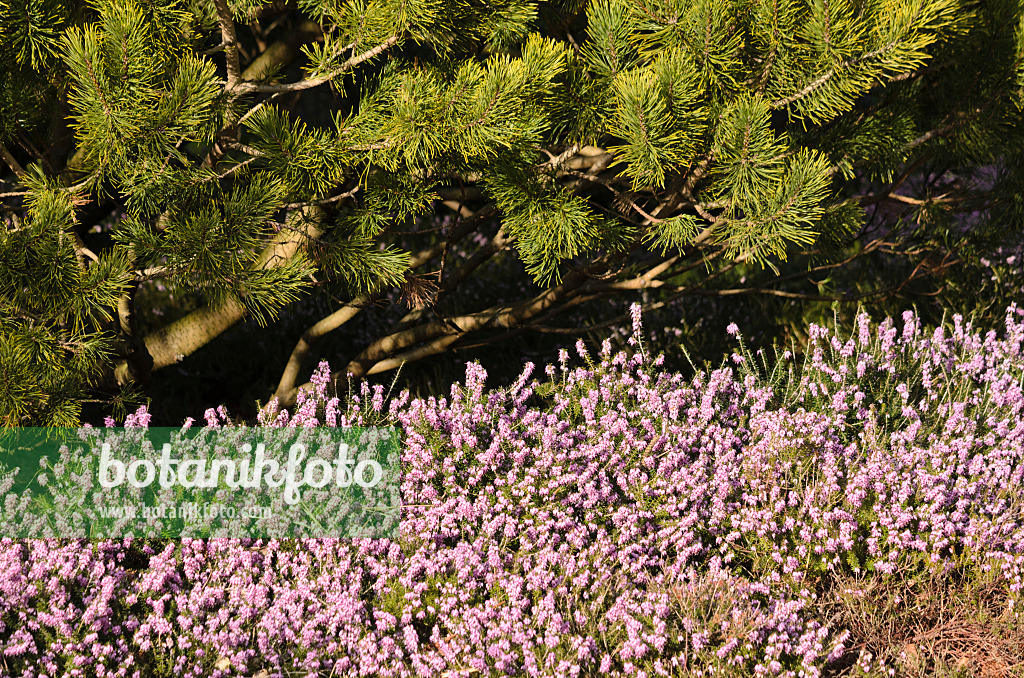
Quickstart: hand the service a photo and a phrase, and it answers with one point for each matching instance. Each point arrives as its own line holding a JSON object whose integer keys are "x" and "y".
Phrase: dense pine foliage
{"x": 238, "y": 154}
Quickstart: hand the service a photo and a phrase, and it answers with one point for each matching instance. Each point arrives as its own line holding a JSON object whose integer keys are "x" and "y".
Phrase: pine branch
{"x": 152, "y": 273}
{"x": 279, "y": 54}
{"x": 325, "y": 201}
{"x": 231, "y": 170}
{"x": 174, "y": 342}
{"x": 376, "y": 357}
{"x": 30, "y": 148}
{"x": 606, "y": 289}
{"x": 11, "y": 162}
{"x": 820, "y": 82}
{"x": 244, "y": 148}
{"x": 497, "y": 316}
{"x": 941, "y": 131}
{"x": 439, "y": 345}
{"x": 258, "y": 106}
{"x": 650, "y": 219}
{"x": 580, "y": 299}
{"x": 933, "y": 133}
{"x": 558, "y": 160}
{"x": 498, "y": 243}
{"x": 695, "y": 175}
{"x": 310, "y": 83}
{"x": 458, "y": 232}
{"x": 230, "y": 43}
{"x": 698, "y": 291}
{"x": 82, "y": 251}
{"x": 286, "y": 391}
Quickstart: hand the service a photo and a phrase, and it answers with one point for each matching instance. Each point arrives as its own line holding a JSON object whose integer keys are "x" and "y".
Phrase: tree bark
{"x": 183, "y": 337}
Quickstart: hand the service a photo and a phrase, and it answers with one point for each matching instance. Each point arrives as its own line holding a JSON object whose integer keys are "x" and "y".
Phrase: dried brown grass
{"x": 932, "y": 624}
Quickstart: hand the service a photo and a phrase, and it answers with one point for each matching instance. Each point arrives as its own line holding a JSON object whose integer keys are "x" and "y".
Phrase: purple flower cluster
{"x": 607, "y": 519}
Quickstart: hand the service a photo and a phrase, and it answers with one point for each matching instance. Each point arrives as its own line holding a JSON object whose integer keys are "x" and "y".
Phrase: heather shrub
{"x": 602, "y": 516}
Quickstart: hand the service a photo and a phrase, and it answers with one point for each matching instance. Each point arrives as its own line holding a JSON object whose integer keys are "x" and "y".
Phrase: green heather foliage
{"x": 241, "y": 153}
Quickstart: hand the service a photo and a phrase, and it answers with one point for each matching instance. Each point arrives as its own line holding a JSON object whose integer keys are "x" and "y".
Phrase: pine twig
{"x": 820, "y": 81}
{"x": 310, "y": 83}
{"x": 325, "y": 201}
{"x": 230, "y": 43}
{"x": 11, "y": 162}
{"x": 557, "y": 160}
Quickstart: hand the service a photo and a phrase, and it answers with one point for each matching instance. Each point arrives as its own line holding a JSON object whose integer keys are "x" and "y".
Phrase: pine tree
{"x": 621, "y": 144}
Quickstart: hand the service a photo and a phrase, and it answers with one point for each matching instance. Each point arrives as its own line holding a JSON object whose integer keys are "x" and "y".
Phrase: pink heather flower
{"x": 267, "y": 413}
{"x": 733, "y": 329}
{"x": 321, "y": 378}
{"x": 909, "y": 326}
{"x": 140, "y": 419}
{"x": 635, "y": 313}
{"x": 331, "y": 410}
{"x": 377, "y": 403}
{"x": 211, "y": 418}
{"x": 863, "y": 330}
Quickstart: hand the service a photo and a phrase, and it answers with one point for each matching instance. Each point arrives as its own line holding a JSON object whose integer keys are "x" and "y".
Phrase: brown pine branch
{"x": 310, "y": 83}
{"x": 394, "y": 344}
{"x": 229, "y": 41}
{"x": 494, "y": 317}
{"x": 172, "y": 343}
{"x": 286, "y": 391}
{"x": 439, "y": 345}
{"x": 286, "y": 385}
{"x": 11, "y": 162}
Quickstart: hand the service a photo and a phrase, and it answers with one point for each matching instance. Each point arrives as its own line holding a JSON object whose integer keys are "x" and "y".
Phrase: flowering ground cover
{"x": 859, "y": 513}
